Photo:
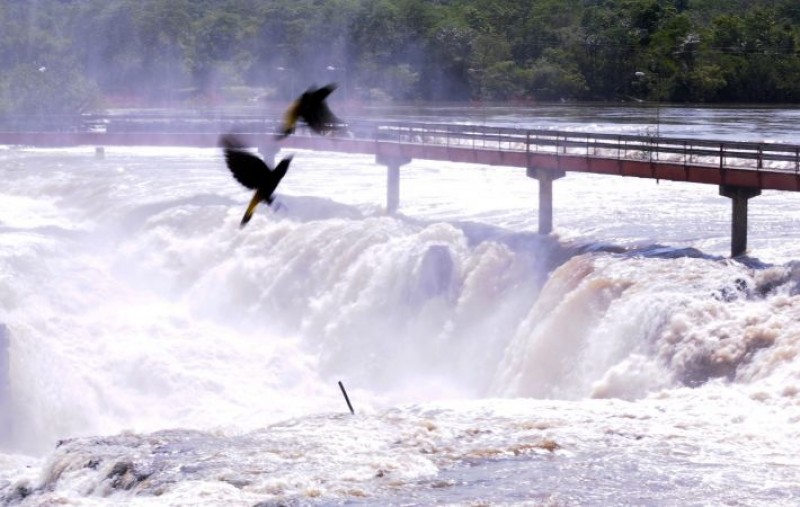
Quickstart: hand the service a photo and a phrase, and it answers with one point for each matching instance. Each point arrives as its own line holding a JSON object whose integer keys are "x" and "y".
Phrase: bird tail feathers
{"x": 251, "y": 208}
{"x": 290, "y": 119}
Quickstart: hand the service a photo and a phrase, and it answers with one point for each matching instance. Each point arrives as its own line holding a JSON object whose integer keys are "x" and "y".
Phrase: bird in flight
{"x": 252, "y": 172}
{"x": 313, "y": 110}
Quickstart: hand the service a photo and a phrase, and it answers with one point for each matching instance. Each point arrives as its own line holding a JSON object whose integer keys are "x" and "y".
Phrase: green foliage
{"x": 41, "y": 76}
{"x": 40, "y": 91}
{"x": 554, "y": 76}
{"x": 167, "y": 50}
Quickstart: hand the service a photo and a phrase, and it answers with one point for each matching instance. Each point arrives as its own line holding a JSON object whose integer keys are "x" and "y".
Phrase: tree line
{"x": 63, "y": 56}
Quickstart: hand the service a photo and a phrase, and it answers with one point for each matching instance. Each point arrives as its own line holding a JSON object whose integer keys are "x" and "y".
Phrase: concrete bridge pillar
{"x": 546, "y": 178}
{"x": 739, "y": 197}
{"x": 392, "y": 164}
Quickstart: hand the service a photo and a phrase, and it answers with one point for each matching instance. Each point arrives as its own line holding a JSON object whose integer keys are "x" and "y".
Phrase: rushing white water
{"x": 159, "y": 355}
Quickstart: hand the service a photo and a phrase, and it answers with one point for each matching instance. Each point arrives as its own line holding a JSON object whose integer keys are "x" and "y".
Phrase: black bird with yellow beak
{"x": 252, "y": 172}
{"x": 313, "y": 110}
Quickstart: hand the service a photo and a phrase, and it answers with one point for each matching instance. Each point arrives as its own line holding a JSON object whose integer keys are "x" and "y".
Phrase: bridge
{"x": 741, "y": 170}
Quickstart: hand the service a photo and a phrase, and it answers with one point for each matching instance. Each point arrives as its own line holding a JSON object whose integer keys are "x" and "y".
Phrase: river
{"x": 160, "y": 355}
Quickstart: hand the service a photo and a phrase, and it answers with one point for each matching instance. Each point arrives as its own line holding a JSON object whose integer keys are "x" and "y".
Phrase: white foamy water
{"x": 159, "y": 355}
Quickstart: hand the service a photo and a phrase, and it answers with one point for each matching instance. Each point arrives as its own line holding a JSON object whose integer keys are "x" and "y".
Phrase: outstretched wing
{"x": 274, "y": 178}
{"x": 327, "y": 119}
{"x": 321, "y": 94}
{"x": 315, "y": 110}
{"x": 280, "y": 170}
{"x": 248, "y": 169}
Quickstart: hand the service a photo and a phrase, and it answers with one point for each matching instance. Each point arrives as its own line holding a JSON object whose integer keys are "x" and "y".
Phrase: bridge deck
{"x": 757, "y": 165}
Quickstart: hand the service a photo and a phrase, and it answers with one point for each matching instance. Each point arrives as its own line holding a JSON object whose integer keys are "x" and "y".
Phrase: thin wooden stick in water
{"x": 341, "y": 386}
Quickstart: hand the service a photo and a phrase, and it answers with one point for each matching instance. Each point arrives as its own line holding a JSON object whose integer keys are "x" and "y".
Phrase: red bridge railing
{"x": 202, "y": 130}
{"x": 683, "y": 151}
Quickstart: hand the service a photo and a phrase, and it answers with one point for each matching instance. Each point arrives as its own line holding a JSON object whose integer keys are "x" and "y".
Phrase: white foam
{"x": 135, "y": 302}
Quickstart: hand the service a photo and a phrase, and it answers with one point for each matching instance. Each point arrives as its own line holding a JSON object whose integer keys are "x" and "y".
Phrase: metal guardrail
{"x": 683, "y": 151}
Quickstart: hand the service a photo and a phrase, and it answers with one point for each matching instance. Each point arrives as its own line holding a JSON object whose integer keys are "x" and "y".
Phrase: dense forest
{"x": 64, "y": 56}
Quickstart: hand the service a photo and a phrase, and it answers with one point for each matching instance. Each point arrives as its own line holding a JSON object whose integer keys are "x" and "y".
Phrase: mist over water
{"x": 153, "y": 290}
{"x": 478, "y": 355}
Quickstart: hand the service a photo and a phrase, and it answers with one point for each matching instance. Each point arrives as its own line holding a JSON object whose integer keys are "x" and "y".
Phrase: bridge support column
{"x": 739, "y": 197}
{"x": 545, "y": 178}
{"x": 392, "y": 164}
